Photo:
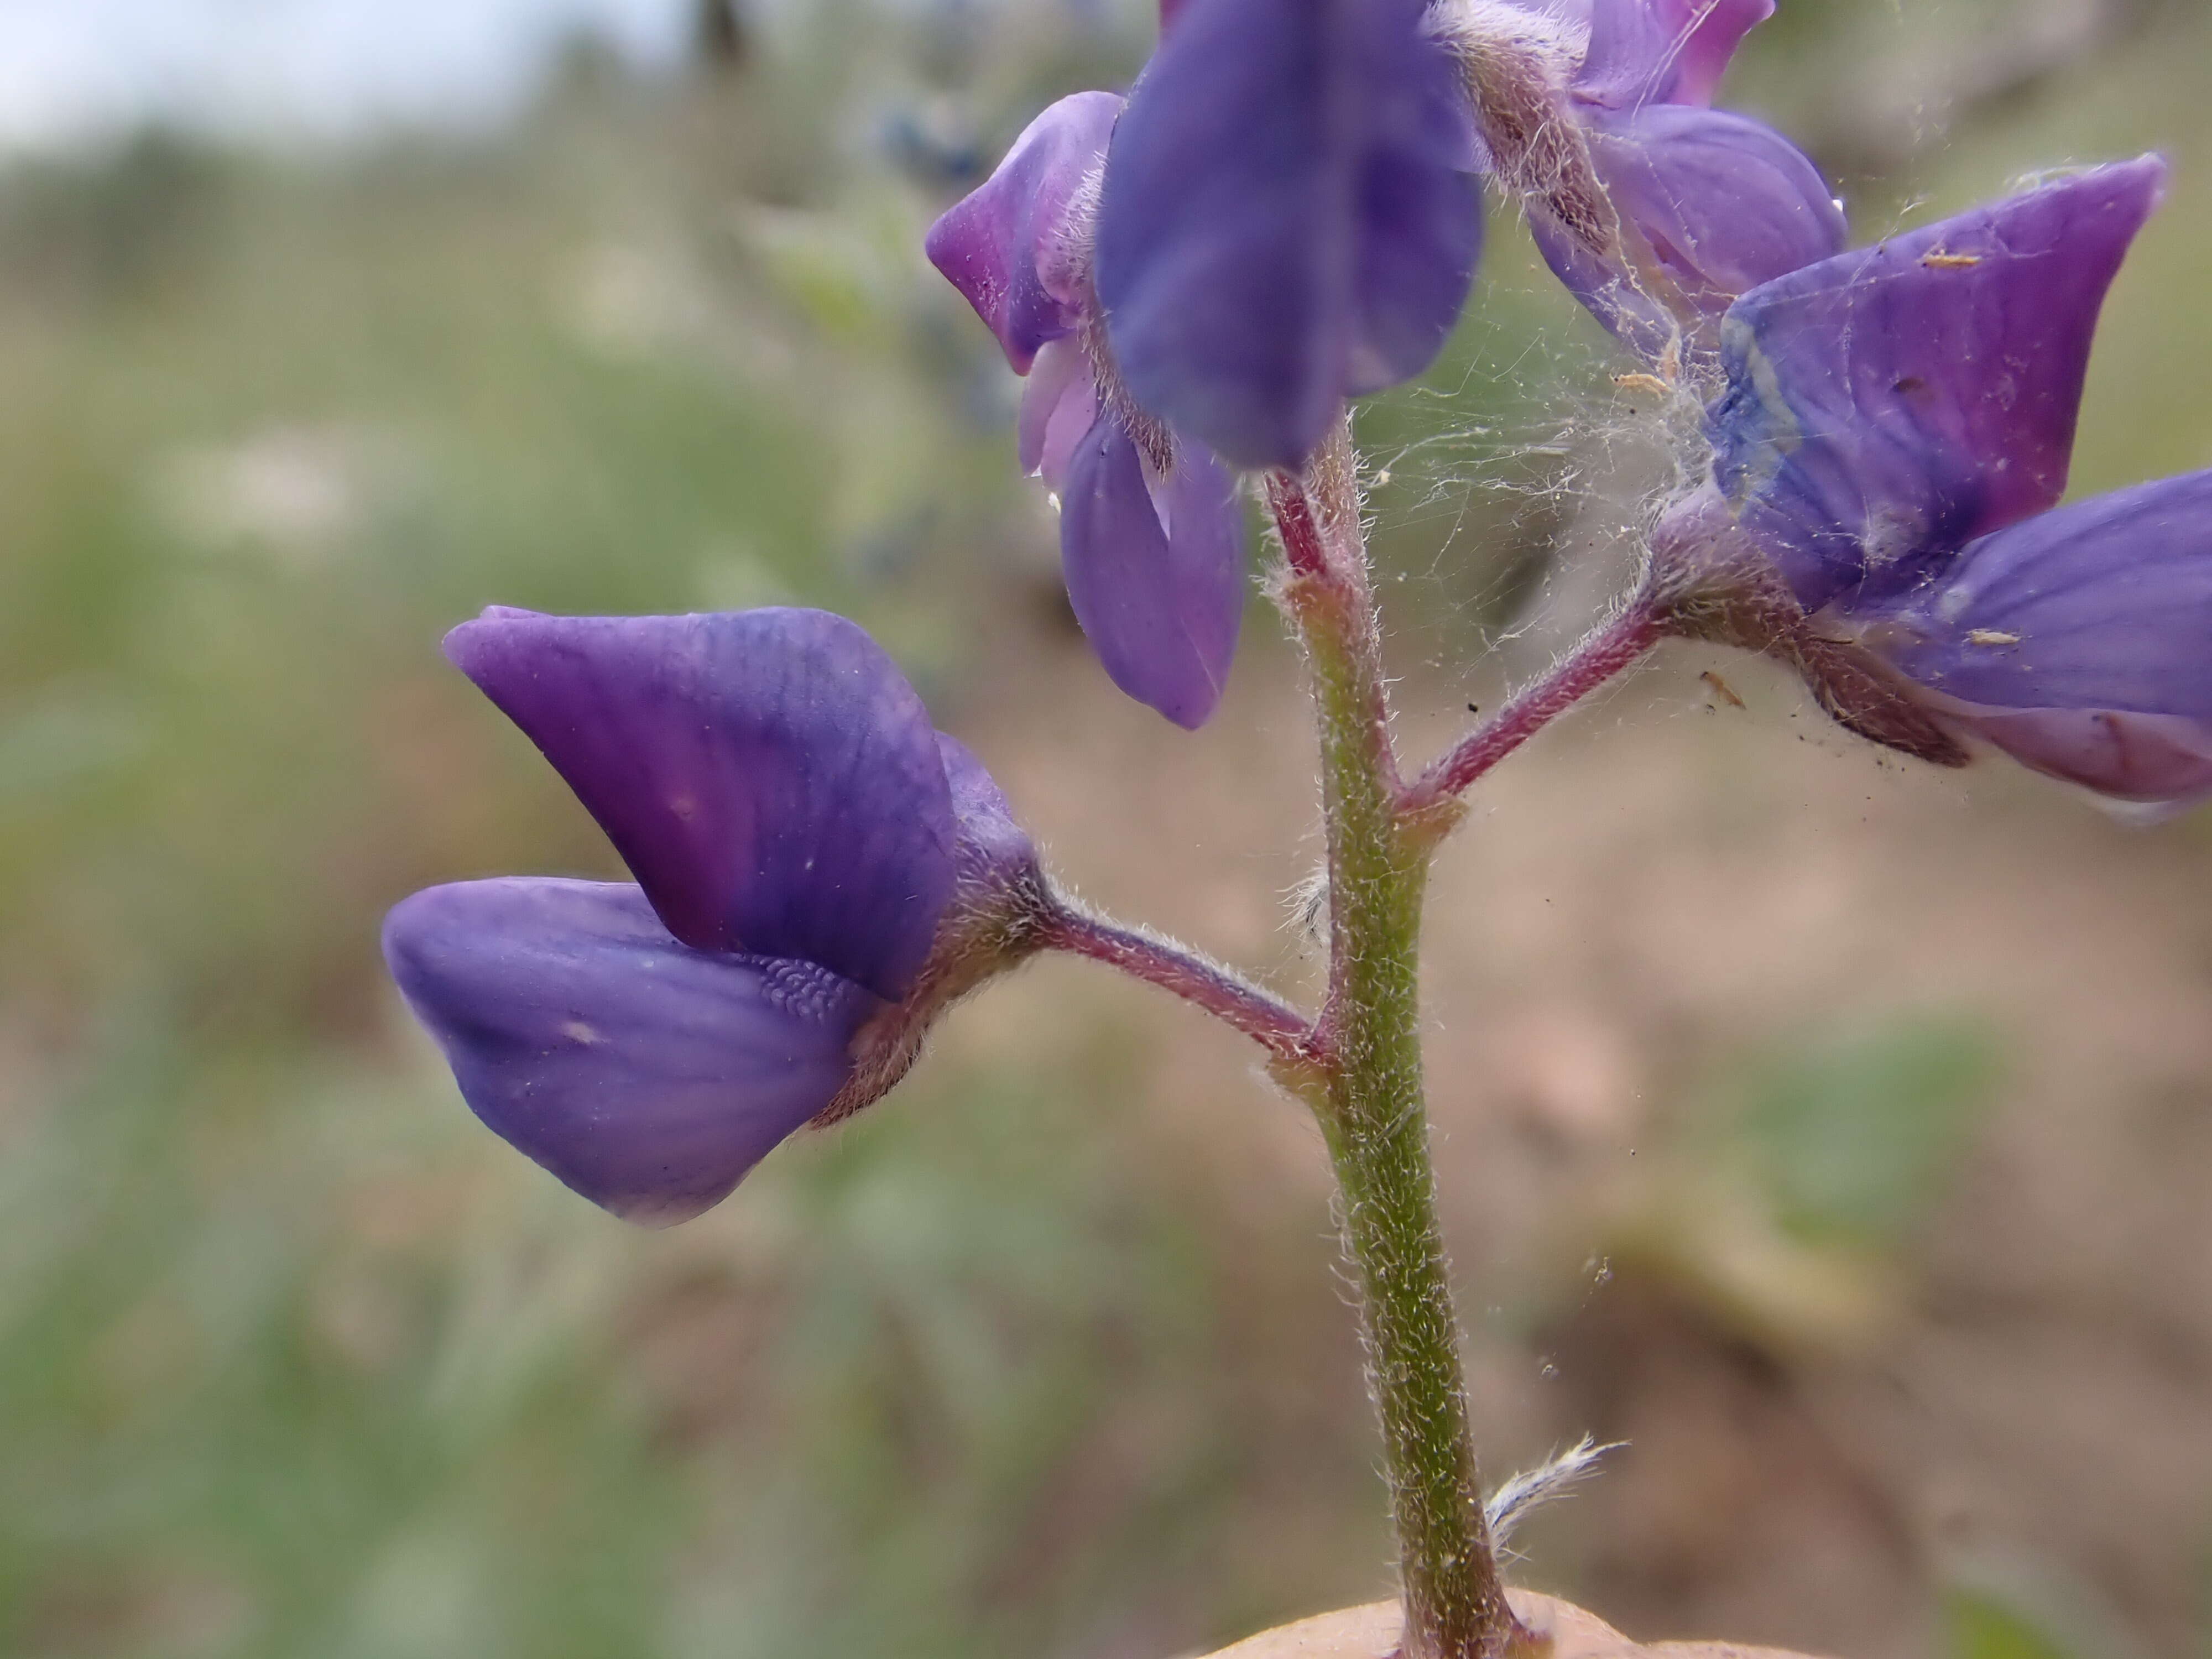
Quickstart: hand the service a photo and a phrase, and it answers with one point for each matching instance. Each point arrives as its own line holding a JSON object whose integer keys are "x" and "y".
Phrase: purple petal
{"x": 1284, "y": 223}
{"x": 2151, "y": 759}
{"x": 1007, "y": 245}
{"x": 994, "y": 850}
{"x": 1897, "y": 402}
{"x": 2080, "y": 640}
{"x": 647, "y": 1076}
{"x": 1059, "y": 400}
{"x": 1663, "y": 51}
{"x": 1715, "y": 205}
{"x": 769, "y": 777}
{"x": 1155, "y": 570}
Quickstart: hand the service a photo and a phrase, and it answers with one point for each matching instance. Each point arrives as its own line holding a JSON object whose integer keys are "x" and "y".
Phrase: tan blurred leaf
{"x": 1371, "y": 1632}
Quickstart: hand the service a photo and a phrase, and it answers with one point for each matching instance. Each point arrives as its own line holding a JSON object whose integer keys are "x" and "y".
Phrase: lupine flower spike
{"x": 1283, "y": 216}
{"x": 1895, "y": 436}
{"x": 818, "y": 871}
{"x": 1656, "y": 210}
{"x": 1150, "y": 535}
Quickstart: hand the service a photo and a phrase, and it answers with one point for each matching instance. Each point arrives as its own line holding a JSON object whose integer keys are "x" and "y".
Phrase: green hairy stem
{"x": 1368, "y": 1091}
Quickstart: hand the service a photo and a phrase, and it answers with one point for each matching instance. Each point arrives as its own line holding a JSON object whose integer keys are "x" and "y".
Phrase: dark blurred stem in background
{"x": 723, "y": 40}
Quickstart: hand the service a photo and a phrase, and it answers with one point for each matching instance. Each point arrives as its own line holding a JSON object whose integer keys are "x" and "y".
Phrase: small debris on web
{"x": 1723, "y": 690}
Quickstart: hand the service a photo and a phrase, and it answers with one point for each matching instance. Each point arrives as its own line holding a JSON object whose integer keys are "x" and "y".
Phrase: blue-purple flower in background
{"x": 1656, "y": 210}
{"x": 1289, "y": 218}
{"x": 1151, "y": 537}
{"x": 817, "y": 870}
{"x": 1895, "y": 436}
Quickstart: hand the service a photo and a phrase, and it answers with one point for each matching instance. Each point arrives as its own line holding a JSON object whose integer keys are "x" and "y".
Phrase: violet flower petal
{"x": 1723, "y": 203}
{"x": 769, "y": 777}
{"x": 1284, "y": 223}
{"x": 994, "y": 850}
{"x": 1903, "y": 399}
{"x": 1663, "y": 51}
{"x": 2081, "y": 640}
{"x": 647, "y": 1076}
{"x": 2151, "y": 760}
{"x": 1155, "y": 570}
{"x": 1004, "y": 246}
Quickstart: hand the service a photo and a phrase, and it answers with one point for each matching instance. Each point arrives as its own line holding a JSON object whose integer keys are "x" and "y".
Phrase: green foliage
{"x": 1998, "y": 1614}
{"x": 1852, "y": 1136}
{"x": 1982, "y": 1627}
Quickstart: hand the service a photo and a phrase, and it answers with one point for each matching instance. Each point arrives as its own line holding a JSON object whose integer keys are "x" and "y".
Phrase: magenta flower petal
{"x": 645, "y": 1075}
{"x": 770, "y": 778}
{"x": 1004, "y": 246}
{"x": 1663, "y": 51}
{"x": 1284, "y": 222}
{"x": 2080, "y": 640}
{"x": 1907, "y": 398}
{"x": 1154, "y": 568}
{"x": 1722, "y": 203}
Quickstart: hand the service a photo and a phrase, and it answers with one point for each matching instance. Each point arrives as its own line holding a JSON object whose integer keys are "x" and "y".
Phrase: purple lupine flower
{"x": 805, "y": 845}
{"x": 1288, "y": 218}
{"x": 1151, "y": 537}
{"x": 2080, "y": 642}
{"x": 1896, "y": 429}
{"x": 1886, "y": 407}
{"x": 1655, "y": 210}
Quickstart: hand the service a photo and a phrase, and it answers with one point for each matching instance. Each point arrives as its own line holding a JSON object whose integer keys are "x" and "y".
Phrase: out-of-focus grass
{"x": 1984, "y": 1628}
{"x": 294, "y": 1365}
{"x": 1851, "y": 1137}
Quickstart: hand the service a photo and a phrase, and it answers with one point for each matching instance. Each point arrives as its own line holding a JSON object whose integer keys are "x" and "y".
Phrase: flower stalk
{"x": 1368, "y": 1092}
{"x": 1281, "y": 1030}
{"x": 1614, "y": 646}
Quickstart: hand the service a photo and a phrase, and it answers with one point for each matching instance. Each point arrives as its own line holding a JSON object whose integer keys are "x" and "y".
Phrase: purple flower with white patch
{"x": 1887, "y": 406}
{"x": 1152, "y": 537}
{"x": 1288, "y": 218}
{"x": 1895, "y": 436}
{"x": 818, "y": 871}
{"x": 1655, "y": 210}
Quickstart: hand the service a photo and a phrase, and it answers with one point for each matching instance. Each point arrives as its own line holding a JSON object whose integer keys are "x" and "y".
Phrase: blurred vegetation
{"x": 1852, "y": 1137}
{"x": 294, "y": 1359}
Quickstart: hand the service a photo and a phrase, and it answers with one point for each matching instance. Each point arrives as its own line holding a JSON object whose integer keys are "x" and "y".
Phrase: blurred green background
{"x": 1835, "y": 1132}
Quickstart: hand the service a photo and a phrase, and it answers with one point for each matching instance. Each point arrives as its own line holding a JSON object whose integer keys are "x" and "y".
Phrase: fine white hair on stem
{"x": 1523, "y": 1494}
